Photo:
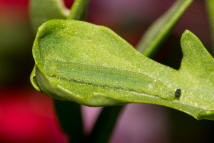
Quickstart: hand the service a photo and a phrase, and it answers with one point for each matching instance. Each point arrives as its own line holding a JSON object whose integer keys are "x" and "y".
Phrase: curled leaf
{"x": 102, "y": 61}
{"x": 91, "y": 65}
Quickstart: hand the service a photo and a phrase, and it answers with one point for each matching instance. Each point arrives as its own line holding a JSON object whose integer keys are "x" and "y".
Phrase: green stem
{"x": 160, "y": 29}
{"x": 210, "y": 6}
{"x": 105, "y": 124}
{"x": 78, "y": 9}
{"x": 70, "y": 118}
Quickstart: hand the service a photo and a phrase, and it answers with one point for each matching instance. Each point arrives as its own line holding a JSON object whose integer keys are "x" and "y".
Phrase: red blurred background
{"x": 29, "y": 117}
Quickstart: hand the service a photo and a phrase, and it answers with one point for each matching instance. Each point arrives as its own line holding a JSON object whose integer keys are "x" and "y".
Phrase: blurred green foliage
{"x": 15, "y": 49}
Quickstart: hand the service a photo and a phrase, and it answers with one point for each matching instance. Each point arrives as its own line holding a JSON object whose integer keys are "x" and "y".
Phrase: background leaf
{"x": 78, "y": 9}
{"x": 159, "y": 31}
{"x": 210, "y": 5}
{"x": 43, "y": 10}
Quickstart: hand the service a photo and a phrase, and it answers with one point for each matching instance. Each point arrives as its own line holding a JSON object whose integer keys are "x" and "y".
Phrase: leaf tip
{"x": 186, "y": 33}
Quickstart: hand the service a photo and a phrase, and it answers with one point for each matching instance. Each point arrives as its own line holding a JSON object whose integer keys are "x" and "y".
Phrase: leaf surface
{"x": 91, "y": 65}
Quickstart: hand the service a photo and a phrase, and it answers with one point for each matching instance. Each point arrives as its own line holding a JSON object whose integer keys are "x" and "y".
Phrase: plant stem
{"x": 105, "y": 124}
{"x": 70, "y": 118}
{"x": 210, "y": 9}
{"x": 78, "y": 9}
{"x": 160, "y": 29}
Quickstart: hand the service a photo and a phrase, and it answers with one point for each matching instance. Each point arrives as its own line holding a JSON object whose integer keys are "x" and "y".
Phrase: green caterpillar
{"x": 109, "y": 78}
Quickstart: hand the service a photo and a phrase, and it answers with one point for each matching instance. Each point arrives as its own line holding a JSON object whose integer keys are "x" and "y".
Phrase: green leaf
{"x": 43, "y": 10}
{"x": 78, "y": 9}
{"x": 210, "y": 5}
{"x": 91, "y": 65}
{"x": 97, "y": 62}
{"x": 159, "y": 31}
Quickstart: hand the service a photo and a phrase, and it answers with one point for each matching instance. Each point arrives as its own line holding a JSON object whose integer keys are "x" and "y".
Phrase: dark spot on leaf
{"x": 178, "y": 93}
